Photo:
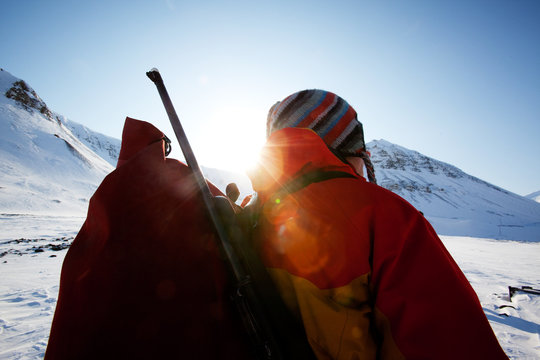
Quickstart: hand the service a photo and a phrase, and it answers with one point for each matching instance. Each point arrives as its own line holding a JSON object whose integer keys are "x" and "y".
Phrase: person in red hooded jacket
{"x": 359, "y": 266}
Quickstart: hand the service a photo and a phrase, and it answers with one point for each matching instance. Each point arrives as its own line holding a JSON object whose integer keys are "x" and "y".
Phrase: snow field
{"x": 493, "y": 265}
{"x": 28, "y": 294}
{"x": 29, "y": 280}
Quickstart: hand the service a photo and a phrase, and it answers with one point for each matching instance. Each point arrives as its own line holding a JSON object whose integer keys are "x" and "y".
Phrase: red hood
{"x": 137, "y": 135}
{"x": 289, "y": 153}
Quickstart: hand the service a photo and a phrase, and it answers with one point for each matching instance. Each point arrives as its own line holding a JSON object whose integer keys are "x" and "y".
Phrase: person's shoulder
{"x": 385, "y": 199}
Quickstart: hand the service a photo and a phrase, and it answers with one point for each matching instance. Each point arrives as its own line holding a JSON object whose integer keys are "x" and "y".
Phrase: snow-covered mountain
{"x": 48, "y": 164}
{"x": 454, "y": 202}
{"x": 105, "y": 146}
{"x": 534, "y": 196}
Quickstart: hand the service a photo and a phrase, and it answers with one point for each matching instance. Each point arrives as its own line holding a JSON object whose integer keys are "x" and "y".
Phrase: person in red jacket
{"x": 144, "y": 278}
{"x": 359, "y": 266}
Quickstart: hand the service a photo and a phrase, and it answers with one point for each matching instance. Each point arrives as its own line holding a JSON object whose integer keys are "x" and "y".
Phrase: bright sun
{"x": 237, "y": 136}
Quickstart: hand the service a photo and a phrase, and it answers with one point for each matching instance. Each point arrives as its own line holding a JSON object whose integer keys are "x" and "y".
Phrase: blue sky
{"x": 455, "y": 80}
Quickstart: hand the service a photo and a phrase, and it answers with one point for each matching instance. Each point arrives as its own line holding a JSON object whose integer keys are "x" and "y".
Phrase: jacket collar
{"x": 288, "y": 154}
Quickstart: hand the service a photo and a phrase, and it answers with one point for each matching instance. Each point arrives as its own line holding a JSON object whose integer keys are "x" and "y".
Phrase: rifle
{"x": 244, "y": 295}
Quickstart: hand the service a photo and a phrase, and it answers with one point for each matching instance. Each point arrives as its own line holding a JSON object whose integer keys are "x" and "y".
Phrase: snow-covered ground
{"x": 493, "y": 265}
{"x": 31, "y": 258}
{"x": 32, "y": 249}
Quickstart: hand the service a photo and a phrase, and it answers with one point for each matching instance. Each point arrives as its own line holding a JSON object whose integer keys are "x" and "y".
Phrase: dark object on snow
{"x": 526, "y": 289}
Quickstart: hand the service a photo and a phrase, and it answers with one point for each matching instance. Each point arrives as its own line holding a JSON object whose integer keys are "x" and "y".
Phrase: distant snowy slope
{"x": 455, "y": 203}
{"x": 105, "y": 146}
{"x": 44, "y": 167}
{"x": 535, "y": 196}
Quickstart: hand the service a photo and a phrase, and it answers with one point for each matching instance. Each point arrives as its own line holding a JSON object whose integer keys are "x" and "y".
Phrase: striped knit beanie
{"x": 331, "y": 117}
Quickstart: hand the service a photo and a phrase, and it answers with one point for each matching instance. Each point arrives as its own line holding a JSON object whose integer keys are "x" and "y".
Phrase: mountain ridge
{"x": 45, "y": 167}
{"x": 53, "y": 164}
{"x": 455, "y": 202}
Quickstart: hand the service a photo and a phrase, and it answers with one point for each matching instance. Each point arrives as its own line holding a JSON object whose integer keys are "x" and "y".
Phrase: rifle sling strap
{"x": 309, "y": 178}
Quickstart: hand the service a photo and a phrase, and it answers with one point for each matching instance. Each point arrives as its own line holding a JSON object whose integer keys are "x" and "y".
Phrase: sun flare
{"x": 236, "y": 137}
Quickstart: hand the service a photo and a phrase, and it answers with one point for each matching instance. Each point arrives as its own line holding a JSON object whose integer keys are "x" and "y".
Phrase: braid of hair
{"x": 369, "y": 167}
